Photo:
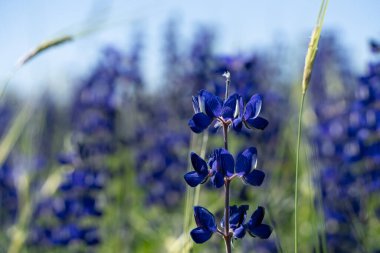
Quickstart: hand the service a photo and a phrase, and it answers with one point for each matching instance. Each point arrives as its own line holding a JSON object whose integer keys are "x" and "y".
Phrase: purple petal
{"x": 245, "y": 160}
{"x": 255, "y": 178}
{"x": 193, "y": 178}
{"x": 200, "y": 235}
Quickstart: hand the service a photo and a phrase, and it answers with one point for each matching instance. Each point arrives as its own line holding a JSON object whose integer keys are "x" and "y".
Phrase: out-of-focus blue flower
{"x": 8, "y": 194}
{"x": 64, "y": 235}
{"x": 206, "y": 225}
{"x": 94, "y": 112}
{"x": 347, "y": 141}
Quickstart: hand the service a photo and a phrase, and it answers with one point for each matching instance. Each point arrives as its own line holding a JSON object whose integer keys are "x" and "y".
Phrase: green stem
{"x": 296, "y": 180}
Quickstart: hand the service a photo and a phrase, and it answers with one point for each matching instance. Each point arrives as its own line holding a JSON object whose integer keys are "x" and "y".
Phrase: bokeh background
{"x": 94, "y": 137}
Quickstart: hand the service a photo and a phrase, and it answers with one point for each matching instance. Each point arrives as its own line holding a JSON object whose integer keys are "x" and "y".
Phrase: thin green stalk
{"x": 308, "y": 67}
{"x": 297, "y": 166}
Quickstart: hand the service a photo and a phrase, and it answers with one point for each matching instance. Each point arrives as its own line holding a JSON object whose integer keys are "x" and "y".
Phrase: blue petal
{"x": 213, "y": 104}
{"x": 256, "y": 218}
{"x": 240, "y": 108}
{"x": 193, "y": 178}
{"x": 199, "y": 164}
{"x": 229, "y": 106}
{"x": 204, "y": 218}
{"x": 239, "y": 232}
{"x": 262, "y": 231}
{"x": 255, "y": 178}
{"x": 244, "y": 161}
{"x": 199, "y": 122}
{"x": 238, "y": 215}
{"x": 237, "y": 124}
{"x": 258, "y": 123}
{"x": 200, "y": 235}
{"x": 227, "y": 162}
{"x": 253, "y": 107}
{"x": 218, "y": 179}
{"x": 196, "y": 104}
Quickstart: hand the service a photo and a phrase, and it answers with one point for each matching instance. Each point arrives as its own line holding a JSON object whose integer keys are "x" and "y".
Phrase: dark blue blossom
{"x": 237, "y": 219}
{"x": 255, "y": 227}
{"x": 206, "y": 225}
{"x": 238, "y": 226}
{"x": 222, "y": 165}
{"x": 249, "y": 115}
{"x": 200, "y": 173}
{"x": 208, "y": 107}
{"x": 244, "y": 162}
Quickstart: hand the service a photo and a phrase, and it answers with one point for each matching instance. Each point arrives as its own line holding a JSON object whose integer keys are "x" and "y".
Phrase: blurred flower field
{"x": 119, "y": 165}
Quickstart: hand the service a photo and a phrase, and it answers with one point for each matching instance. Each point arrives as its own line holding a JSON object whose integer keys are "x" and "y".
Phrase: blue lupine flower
{"x": 208, "y": 107}
{"x": 243, "y": 169}
{"x": 249, "y": 115}
{"x": 200, "y": 175}
{"x": 346, "y": 137}
{"x": 222, "y": 165}
{"x": 255, "y": 226}
{"x": 237, "y": 219}
{"x": 206, "y": 225}
{"x": 94, "y": 113}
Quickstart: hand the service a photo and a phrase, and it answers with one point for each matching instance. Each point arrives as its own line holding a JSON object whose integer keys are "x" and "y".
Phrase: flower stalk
{"x": 222, "y": 168}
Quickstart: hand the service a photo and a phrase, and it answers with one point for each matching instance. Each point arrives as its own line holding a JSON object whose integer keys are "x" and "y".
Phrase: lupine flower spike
{"x": 222, "y": 168}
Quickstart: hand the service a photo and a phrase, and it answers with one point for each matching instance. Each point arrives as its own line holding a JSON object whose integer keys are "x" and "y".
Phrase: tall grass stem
{"x": 297, "y": 169}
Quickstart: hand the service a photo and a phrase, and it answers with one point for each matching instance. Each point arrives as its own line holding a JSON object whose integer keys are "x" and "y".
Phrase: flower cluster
{"x": 209, "y": 107}
{"x": 93, "y": 139}
{"x": 206, "y": 224}
{"x": 347, "y": 148}
{"x": 222, "y": 168}
{"x": 221, "y": 165}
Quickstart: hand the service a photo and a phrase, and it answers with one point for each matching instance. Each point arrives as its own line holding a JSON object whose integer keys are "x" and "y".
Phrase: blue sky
{"x": 241, "y": 25}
